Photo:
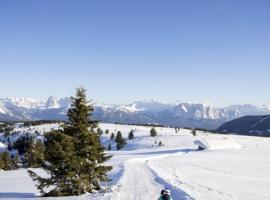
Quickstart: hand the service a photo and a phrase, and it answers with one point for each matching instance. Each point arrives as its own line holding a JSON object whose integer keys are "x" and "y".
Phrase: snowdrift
{"x": 213, "y": 143}
{"x": 3, "y": 147}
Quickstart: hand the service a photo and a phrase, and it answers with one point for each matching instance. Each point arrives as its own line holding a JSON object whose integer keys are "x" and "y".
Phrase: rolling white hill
{"x": 143, "y": 168}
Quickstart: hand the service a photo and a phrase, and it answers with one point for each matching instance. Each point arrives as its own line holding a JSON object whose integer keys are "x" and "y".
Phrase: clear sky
{"x": 121, "y": 51}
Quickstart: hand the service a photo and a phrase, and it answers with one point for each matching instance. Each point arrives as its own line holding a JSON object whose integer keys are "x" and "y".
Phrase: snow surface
{"x": 3, "y": 147}
{"x": 142, "y": 168}
{"x": 210, "y": 143}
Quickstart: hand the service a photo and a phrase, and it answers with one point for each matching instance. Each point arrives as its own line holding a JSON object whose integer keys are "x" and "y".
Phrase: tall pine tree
{"x": 74, "y": 154}
{"x": 34, "y": 155}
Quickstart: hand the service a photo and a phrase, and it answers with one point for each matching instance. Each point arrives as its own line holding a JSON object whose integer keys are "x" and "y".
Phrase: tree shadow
{"x": 11, "y": 195}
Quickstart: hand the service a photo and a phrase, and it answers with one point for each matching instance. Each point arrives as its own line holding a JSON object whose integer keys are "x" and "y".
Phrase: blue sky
{"x": 121, "y": 51}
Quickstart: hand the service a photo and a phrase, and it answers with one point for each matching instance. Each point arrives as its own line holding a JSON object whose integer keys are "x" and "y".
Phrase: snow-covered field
{"x": 233, "y": 167}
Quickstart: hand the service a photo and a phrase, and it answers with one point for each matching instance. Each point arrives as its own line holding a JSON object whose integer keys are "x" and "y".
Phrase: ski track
{"x": 140, "y": 181}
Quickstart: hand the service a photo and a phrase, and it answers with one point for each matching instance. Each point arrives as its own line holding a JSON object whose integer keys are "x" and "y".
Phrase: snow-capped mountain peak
{"x": 266, "y": 108}
{"x": 52, "y": 102}
{"x": 64, "y": 102}
{"x": 150, "y": 105}
{"x": 3, "y": 109}
{"x": 145, "y": 111}
{"x": 22, "y": 102}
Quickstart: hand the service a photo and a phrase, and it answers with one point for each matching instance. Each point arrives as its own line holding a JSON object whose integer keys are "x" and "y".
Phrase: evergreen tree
{"x": 74, "y": 154}
{"x": 194, "y": 132}
{"x": 15, "y": 161}
{"x": 120, "y": 141}
{"x": 35, "y": 154}
{"x": 131, "y": 135}
{"x": 112, "y": 136}
{"x": 23, "y": 144}
{"x": 153, "y": 132}
{"x": 118, "y": 137}
{"x": 99, "y": 131}
{"x": 6, "y": 161}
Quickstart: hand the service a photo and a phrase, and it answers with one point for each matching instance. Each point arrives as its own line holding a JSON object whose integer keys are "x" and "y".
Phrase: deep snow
{"x": 143, "y": 168}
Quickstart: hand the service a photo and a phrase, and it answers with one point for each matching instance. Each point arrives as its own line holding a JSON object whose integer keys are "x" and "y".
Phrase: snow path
{"x": 140, "y": 181}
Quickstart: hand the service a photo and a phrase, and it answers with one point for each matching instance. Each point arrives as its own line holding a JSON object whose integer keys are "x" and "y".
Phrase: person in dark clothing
{"x": 165, "y": 195}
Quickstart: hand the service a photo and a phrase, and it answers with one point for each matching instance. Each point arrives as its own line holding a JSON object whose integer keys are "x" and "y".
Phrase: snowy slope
{"x": 231, "y": 174}
{"x": 143, "y": 168}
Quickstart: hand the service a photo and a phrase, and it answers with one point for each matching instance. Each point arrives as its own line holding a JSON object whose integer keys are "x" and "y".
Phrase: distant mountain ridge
{"x": 248, "y": 125}
{"x": 147, "y": 111}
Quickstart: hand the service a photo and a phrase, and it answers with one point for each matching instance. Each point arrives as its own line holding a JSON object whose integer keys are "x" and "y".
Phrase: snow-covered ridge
{"x": 137, "y": 106}
{"x": 21, "y": 102}
{"x": 29, "y": 103}
{"x": 146, "y": 111}
{"x": 3, "y": 109}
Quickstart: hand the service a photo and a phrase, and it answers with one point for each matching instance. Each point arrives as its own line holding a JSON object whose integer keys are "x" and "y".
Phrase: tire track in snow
{"x": 139, "y": 182}
{"x": 177, "y": 193}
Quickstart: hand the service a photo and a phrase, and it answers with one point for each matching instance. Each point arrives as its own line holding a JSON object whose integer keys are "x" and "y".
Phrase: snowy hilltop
{"x": 138, "y": 112}
{"x": 231, "y": 167}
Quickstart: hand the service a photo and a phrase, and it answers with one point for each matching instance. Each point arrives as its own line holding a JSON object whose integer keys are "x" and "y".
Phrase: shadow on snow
{"x": 11, "y": 195}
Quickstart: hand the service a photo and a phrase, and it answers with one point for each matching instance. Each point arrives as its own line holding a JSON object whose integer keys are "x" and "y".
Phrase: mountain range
{"x": 248, "y": 125}
{"x": 138, "y": 112}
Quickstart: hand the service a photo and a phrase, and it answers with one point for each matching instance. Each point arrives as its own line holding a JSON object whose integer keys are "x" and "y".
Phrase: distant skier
{"x": 165, "y": 194}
